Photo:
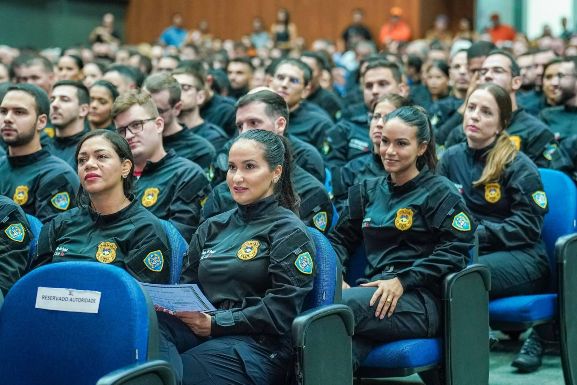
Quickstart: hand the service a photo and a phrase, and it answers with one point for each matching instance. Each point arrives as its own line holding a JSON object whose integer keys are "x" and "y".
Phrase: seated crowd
{"x": 414, "y": 153}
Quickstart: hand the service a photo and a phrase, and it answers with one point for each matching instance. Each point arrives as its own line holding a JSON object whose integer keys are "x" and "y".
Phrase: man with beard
{"x": 42, "y": 184}
{"x": 69, "y": 105}
{"x": 239, "y": 71}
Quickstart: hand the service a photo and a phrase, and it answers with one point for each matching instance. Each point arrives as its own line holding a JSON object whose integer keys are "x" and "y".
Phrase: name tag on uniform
{"x": 71, "y": 300}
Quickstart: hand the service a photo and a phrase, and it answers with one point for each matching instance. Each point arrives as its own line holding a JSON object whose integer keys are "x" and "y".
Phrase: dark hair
{"x": 81, "y": 90}
{"x": 161, "y": 81}
{"x": 480, "y": 49}
{"x": 396, "y": 71}
{"x": 307, "y": 72}
{"x": 441, "y": 65}
{"x": 276, "y": 152}
{"x": 318, "y": 58}
{"x": 197, "y": 72}
{"x": 40, "y": 96}
{"x": 109, "y": 86}
{"x": 515, "y": 69}
{"x": 502, "y": 99}
{"x": 29, "y": 61}
{"x": 416, "y": 116}
{"x": 77, "y": 60}
{"x": 122, "y": 149}
{"x": 396, "y": 100}
{"x": 128, "y": 73}
{"x": 275, "y": 104}
{"x": 415, "y": 62}
{"x": 242, "y": 60}
{"x": 556, "y": 60}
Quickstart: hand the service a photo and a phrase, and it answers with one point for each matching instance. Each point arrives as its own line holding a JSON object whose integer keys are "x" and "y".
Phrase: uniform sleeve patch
{"x": 462, "y": 222}
{"x": 540, "y": 198}
{"x": 154, "y": 261}
{"x": 550, "y": 150}
{"x": 61, "y": 201}
{"x": 15, "y": 232}
{"x": 304, "y": 263}
{"x": 320, "y": 220}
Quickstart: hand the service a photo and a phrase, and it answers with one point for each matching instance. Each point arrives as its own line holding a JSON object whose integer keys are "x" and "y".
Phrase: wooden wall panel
{"x": 145, "y": 19}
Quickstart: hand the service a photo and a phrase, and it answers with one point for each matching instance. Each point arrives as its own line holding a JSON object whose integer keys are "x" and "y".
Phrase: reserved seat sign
{"x": 71, "y": 300}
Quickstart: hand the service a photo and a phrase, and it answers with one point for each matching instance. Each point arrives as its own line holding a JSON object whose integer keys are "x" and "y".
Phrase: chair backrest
{"x": 325, "y": 282}
{"x": 562, "y": 216}
{"x": 35, "y": 227}
{"x": 178, "y": 246}
{"x": 71, "y": 345}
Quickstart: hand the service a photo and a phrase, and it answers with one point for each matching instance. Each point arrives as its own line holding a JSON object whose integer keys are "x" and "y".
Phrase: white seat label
{"x": 72, "y": 300}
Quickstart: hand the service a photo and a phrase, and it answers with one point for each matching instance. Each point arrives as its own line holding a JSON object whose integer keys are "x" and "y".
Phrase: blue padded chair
{"x": 52, "y": 347}
{"x": 325, "y": 329}
{"x": 522, "y": 312}
{"x": 178, "y": 247}
{"x": 35, "y": 227}
{"x": 446, "y": 359}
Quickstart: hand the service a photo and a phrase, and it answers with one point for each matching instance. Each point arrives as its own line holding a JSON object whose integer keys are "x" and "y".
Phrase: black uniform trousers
{"x": 417, "y": 315}
{"x": 237, "y": 359}
{"x": 515, "y": 272}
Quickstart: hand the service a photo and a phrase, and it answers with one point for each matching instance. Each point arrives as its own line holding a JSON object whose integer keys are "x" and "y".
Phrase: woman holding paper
{"x": 255, "y": 264}
{"x": 109, "y": 226}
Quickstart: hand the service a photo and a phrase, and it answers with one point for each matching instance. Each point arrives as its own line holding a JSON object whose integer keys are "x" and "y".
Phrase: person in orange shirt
{"x": 396, "y": 30}
{"x": 500, "y": 32}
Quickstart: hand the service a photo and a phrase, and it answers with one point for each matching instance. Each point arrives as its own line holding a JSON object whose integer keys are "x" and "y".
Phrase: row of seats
{"x": 51, "y": 342}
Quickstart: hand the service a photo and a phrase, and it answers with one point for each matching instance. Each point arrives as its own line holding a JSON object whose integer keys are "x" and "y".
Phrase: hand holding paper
{"x": 199, "y": 323}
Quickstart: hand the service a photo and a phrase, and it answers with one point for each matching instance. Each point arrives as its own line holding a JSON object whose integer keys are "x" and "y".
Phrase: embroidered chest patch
{"x": 15, "y": 232}
{"x": 21, "y": 195}
{"x": 516, "y": 140}
{"x": 304, "y": 263}
{"x": 461, "y": 222}
{"x": 150, "y": 196}
{"x": 404, "y": 219}
{"x": 492, "y": 192}
{"x": 248, "y": 250}
{"x": 154, "y": 261}
{"x": 106, "y": 252}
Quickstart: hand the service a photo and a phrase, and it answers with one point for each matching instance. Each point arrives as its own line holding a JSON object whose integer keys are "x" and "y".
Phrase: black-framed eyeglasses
{"x": 133, "y": 127}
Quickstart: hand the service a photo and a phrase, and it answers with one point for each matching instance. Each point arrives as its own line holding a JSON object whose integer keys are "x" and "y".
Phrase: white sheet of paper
{"x": 178, "y": 297}
{"x": 72, "y": 300}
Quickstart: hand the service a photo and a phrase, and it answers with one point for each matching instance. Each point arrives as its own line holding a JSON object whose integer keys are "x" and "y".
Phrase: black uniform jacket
{"x": 347, "y": 140}
{"x": 256, "y": 265}
{"x": 315, "y": 204}
{"x": 309, "y": 124}
{"x": 65, "y": 147}
{"x": 562, "y": 120}
{"x": 132, "y": 239}
{"x": 213, "y": 133}
{"x": 191, "y": 146}
{"x": 42, "y": 184}
{"x": 15, "y": 237}
{"x": 173, "y": 189}
{"x": 417, "y": 232}
{"x": 509, "y": 211}
{"x": 220, "y": 110}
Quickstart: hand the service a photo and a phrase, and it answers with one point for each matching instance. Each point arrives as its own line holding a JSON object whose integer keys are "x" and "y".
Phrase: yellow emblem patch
{"x": 49, "y": 131}
{"x": 106, "y": 252}
{"x": 248, "y": 250}
{"x": 150, "y": 196}
{"x": 492, "y": 192}
{"x": 516, "y": 140}
{"x": 21, "y": 195}
{"x": 404, "y": 219}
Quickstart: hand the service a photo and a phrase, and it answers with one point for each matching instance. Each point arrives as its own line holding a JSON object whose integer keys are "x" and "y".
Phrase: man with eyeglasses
{"x": 166, "y": 94}
{"x": 349, "y": 138}
{"x": 42, "y": 184}
{"x": 308, "y": 122}
{"x": 171, "y": 187}
{"x": 562, "y": 119}
{"x": 528, "y": 134}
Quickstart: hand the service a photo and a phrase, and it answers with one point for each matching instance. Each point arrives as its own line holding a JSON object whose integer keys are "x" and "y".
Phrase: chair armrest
{"x": 323, "y": 345}
{"x": 466, "y": 322}
{"x": 151, "y": 372}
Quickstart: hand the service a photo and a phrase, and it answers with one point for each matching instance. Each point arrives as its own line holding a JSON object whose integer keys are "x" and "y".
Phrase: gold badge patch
{"x": 49, "y": 131}
{"x": 516, "y": 140}
{"x": 492, "y": 192}
{"x": 21, "y": 195}
{"x": 106, "y": 252}
{"x": 404, "y": 219}
{"x": 248, "y": 250}
{"x": 150, "y": 196}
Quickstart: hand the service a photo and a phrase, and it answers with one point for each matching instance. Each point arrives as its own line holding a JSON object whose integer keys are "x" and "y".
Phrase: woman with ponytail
{"x": 503, "y": 190}
{"x": 415, "y": 229}
{"x": 255, "y": 264}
